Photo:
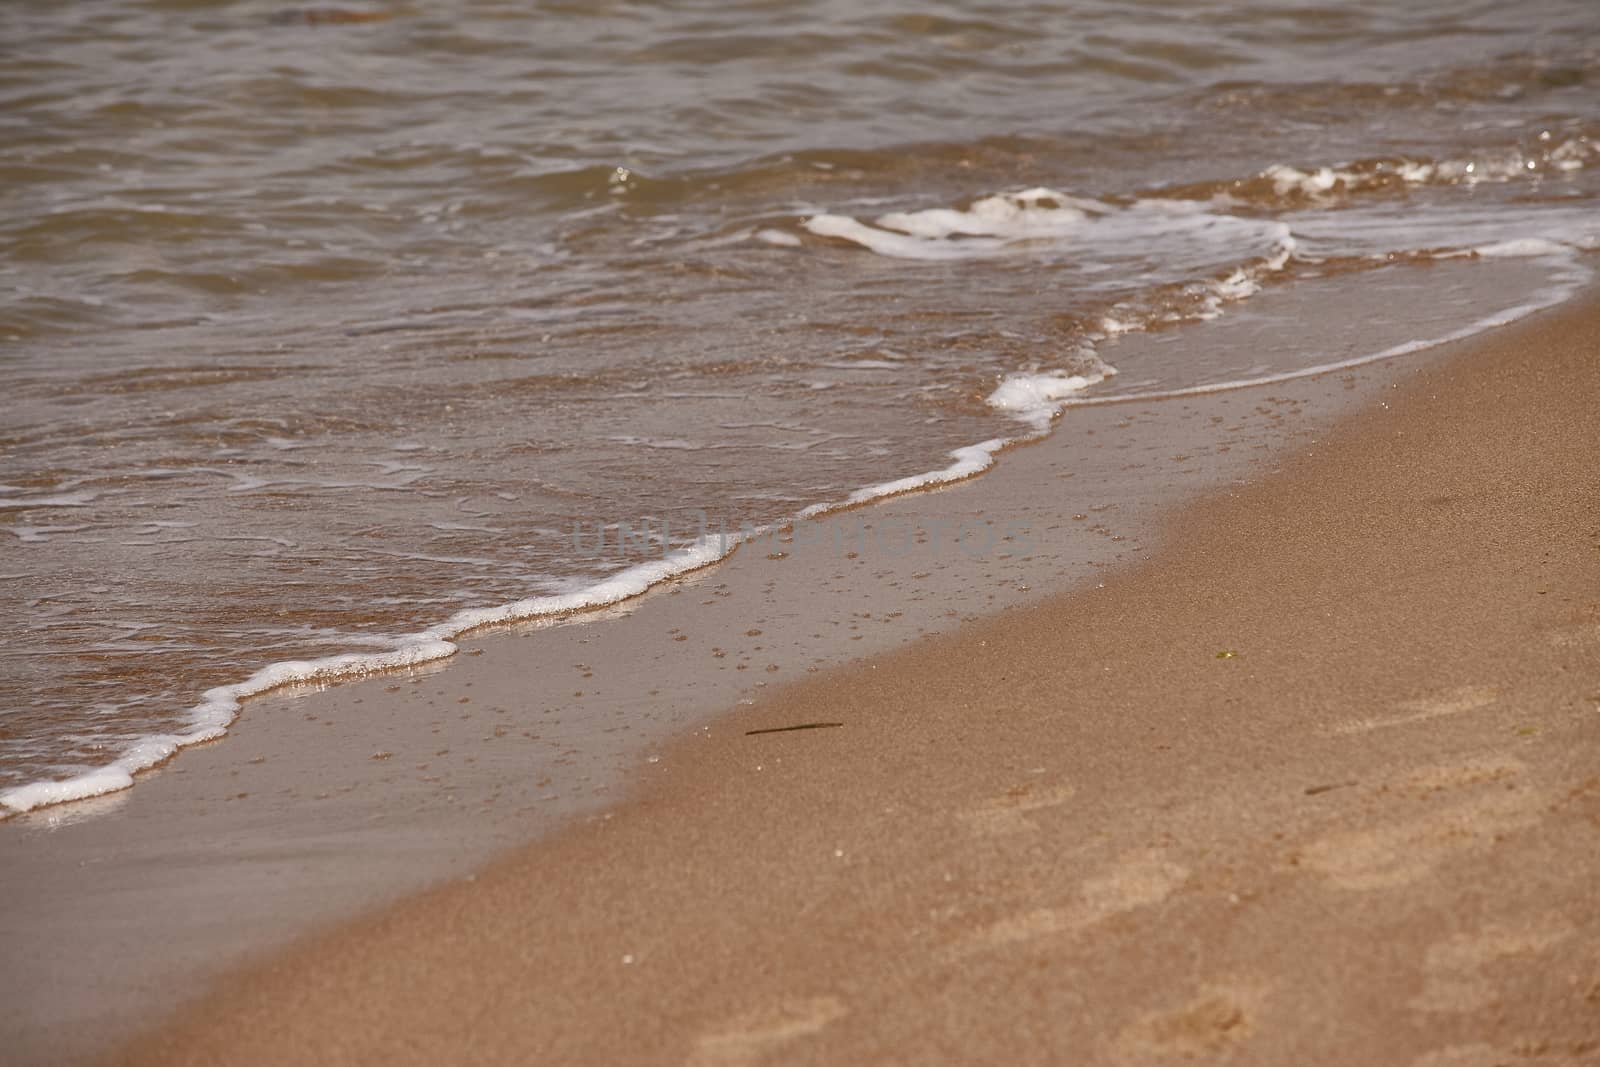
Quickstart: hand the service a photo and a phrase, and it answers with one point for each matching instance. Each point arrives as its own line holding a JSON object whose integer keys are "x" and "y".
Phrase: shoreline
{"x": 1037, "y": 401}
{"x": 324, "y": 804}
{"x": 1330, "y": 795}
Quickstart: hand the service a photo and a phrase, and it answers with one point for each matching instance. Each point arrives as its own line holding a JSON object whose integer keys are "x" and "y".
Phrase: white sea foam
{"x": 1037, "y": 398}
{"x": 1566, "y": 282}
{"x": 218, "y": 707}
{"x": 1033, "y": 398}
{"x": 1330, "y": 182}
{"x": 969, "y": 460}
{"x": 781, "y": 238}
{"x": 1186, "y": 234}
{"x": 896, "y": 245}
{"x": 1286, "y": 180}
{"x": 1523, "y": 246}
{"x": 1037, "y": 212}
{"x": 991, "y": 225}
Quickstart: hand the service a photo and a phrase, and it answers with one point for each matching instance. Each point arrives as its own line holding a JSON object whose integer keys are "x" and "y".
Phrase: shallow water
{"x": 317, "y": 331}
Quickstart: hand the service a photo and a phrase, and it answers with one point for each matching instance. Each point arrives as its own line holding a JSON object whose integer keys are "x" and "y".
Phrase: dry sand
{"x": 1320, "y": 784}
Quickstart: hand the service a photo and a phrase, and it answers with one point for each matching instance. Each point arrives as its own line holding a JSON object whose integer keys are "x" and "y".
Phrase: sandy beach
{"x": 1316, "y": 784}
{"x": 323, "y": 805}
{"x": 1063, "y": 531}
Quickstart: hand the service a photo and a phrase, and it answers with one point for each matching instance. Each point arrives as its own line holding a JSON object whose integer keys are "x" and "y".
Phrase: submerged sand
{"x": 1317, "y": 785}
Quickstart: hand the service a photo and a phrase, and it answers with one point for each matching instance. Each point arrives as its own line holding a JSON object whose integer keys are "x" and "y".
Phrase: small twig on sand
{"x": 800, "y": 726}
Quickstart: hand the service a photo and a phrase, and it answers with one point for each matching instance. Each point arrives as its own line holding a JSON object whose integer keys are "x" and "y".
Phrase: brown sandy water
{"x": 316, "y": 331}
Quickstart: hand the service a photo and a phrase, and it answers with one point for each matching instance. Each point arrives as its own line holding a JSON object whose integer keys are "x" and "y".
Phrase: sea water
{"x": 326, "y": 332}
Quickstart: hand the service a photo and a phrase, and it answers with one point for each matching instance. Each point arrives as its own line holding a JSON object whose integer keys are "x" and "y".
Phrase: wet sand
{"x": 1318, "y": 784}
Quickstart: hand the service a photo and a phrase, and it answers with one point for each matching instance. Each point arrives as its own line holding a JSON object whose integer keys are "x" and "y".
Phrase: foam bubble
{"x": 1037, "y": 212}
{"x": 1326, "y": 183}
{"x": 781, "y": 238}
{"x": 1522, "y": 246}
{"x": 1286, "y": 180}
{"x": 894, "y": 245}
{"x": 1037, "y": 398}
{"x": 1187, "y": 238}
{"x": 990, "y": 225}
